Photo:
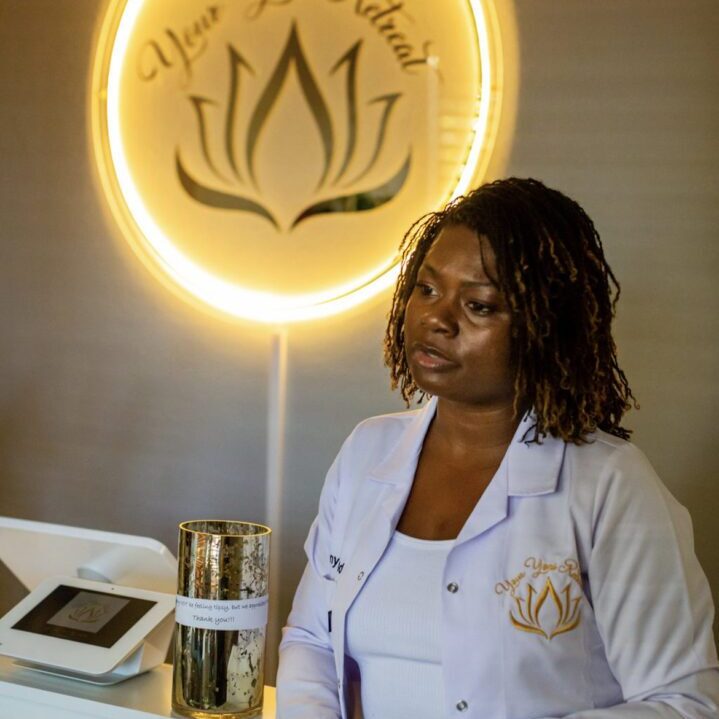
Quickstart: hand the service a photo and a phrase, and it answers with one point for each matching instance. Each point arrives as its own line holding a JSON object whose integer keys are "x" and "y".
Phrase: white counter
{"x": 25, "y": 694}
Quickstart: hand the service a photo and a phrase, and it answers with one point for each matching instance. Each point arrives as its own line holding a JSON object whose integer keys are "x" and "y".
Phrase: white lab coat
{"x": 572, "y": 589}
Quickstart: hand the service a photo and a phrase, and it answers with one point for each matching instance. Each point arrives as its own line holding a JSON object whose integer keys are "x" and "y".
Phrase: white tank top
{"x": 393, "y": 631}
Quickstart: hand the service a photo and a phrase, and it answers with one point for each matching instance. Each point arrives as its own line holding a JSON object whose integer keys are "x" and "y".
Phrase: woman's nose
{"x": 440, "y": 316}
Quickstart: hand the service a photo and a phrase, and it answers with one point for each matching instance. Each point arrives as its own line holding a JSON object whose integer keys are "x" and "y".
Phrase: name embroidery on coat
{"x": 336, "y": 564}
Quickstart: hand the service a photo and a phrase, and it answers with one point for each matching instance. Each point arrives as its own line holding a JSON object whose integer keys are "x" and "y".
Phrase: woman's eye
{"x": 423, "y": 288}
{"x": 479, "y": 308}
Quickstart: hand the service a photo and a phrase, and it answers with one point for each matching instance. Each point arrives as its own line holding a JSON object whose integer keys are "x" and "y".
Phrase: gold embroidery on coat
{"x": 509, "y": 585}
{"x": 532, "y": 619}
{"x": 571, "y": 567}
{"x": 539, "y": 566}
{"x": 531, "y": 611}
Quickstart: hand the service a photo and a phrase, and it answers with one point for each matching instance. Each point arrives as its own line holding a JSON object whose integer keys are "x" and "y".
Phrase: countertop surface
{"x": 143, "y": 697}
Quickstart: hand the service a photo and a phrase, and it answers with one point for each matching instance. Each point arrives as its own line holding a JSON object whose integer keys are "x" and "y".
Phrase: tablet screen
{"x": 84, "y": 615}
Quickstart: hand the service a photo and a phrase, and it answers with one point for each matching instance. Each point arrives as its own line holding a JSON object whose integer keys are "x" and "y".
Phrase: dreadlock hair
{"x": 562, "y": 295}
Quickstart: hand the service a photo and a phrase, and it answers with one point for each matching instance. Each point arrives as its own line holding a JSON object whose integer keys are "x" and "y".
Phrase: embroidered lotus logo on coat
{"x": 230, "y": 155}
{"x": 547, "y": 611}
{"x": 561, "y": 615}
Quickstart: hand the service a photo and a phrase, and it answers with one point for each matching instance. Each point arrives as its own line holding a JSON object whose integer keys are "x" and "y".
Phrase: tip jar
{"x": 221, "y": 619}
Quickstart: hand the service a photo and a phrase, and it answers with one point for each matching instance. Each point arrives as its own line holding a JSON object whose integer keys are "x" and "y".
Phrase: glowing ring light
{"x": 158, "y": 250}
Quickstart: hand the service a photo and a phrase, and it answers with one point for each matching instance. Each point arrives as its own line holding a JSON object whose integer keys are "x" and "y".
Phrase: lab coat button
{"x": 462, "y": 706}
{"x": 453, "y": 587}
{"x": 360, "y": 576}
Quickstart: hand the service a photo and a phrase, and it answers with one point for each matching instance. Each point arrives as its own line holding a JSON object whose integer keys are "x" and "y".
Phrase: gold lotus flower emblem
{"x": 230, "y": 157}
{"x": 546, "y": 613}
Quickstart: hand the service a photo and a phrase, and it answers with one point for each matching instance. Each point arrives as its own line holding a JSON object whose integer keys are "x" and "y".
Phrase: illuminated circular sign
{"x": 267, "y": 155}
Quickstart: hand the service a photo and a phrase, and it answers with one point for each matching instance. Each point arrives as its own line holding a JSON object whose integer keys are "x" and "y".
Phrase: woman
{"x": 503, "y": 552}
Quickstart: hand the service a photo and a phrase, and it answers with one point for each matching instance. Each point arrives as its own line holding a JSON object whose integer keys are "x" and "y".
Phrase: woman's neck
{"x": 466, "y": 429}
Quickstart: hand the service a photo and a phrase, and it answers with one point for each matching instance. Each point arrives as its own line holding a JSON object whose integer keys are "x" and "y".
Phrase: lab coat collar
{"x": 533, "y": 468}
{"x": 527, "y": 468}
{"x": 399, "y": 466}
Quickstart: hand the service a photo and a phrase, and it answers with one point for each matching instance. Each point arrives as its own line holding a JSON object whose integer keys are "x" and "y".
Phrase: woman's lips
{"x": 430, "y": 358}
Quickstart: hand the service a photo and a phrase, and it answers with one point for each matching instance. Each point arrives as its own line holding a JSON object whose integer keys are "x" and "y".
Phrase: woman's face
{"x": 458, "y": 325}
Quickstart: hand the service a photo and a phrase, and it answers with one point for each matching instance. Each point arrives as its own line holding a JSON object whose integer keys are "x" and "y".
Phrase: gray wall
{"x": 121, "y": 408}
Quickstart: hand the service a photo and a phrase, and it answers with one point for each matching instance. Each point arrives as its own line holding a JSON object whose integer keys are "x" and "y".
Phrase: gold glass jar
{"x": 221, "y": 619}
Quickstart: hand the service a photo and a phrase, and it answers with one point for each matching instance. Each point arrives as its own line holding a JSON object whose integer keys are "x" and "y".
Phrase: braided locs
{"x": 562, "y": 294}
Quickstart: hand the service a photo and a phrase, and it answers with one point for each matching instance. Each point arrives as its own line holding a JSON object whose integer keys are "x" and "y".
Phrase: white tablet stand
{"x": 105, "y": 562}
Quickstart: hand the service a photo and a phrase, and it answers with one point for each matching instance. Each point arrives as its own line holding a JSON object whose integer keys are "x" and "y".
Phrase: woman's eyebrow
{"x": 466, "y": 283}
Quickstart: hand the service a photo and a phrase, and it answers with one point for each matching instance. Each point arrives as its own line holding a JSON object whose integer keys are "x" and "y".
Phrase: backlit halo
{"x": 160, "y": 251}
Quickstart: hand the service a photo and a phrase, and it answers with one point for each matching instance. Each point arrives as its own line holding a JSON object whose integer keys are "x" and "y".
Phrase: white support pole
{"x": 274, "y": 487}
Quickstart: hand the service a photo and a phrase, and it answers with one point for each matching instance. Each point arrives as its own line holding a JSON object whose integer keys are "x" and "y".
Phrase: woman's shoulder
{"x": 382, "y": 428}
{"x": 609, "y": 469}
{"x": 391, "y": 421}
{"x": 602, "y": 447}
{"x": 606, "y": 455}
{"x": 373, "y": 439}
